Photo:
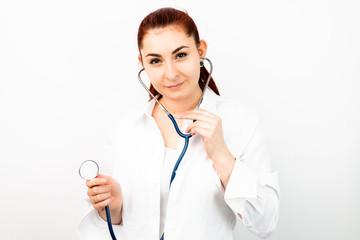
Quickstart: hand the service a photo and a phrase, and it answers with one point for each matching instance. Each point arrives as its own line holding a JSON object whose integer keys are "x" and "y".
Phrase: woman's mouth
{"x": 175, "y": 86}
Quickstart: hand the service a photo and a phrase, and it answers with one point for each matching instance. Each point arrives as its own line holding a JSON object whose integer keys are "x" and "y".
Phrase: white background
{"x": 67, "y": 66}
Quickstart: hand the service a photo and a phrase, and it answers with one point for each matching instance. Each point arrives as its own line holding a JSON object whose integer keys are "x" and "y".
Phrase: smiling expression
{"x": 172, "y": 62}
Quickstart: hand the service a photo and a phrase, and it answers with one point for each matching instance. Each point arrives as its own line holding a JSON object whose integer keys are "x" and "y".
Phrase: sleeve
{"x": 253, "y": 189}
{"x": 92, "y": 226}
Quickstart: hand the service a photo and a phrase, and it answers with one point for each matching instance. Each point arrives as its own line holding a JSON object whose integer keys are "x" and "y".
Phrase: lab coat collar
{"x": 149, "y": 108}
{"x": 210, "y": 101}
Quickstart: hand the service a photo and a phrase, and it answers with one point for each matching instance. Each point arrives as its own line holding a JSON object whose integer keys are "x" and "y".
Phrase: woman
{"x": 224, "y": 176}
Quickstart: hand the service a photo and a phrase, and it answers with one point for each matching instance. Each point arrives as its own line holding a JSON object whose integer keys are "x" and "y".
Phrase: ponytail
{"x": 204, "y": 74}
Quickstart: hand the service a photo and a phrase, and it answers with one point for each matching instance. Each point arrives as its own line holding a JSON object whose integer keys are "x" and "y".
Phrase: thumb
{"x": 108, "y": 178}
{"x": 111, "y": 181}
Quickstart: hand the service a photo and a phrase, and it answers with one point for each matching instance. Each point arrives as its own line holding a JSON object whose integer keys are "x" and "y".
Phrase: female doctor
{"x": 225, "y": 175}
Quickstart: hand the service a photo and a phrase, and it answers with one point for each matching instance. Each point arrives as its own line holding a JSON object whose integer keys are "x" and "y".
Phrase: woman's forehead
{"x": 171, "y": 37}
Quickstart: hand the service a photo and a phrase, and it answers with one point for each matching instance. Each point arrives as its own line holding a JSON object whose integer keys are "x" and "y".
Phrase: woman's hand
{"x": 105, "y": 191}
{"x": 209, "y": 127}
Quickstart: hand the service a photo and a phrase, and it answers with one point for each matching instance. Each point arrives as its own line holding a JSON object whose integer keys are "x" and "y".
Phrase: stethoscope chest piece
{"x": 89, "y": 169}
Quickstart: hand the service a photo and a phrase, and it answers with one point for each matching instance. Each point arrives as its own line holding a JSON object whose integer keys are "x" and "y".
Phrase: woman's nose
{"x": 170, "y": 71}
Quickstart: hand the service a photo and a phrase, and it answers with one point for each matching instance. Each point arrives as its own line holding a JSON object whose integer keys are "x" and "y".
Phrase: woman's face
{"x": 172, "y": 62}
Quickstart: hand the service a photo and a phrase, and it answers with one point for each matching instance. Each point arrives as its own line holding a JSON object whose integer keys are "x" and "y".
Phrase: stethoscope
{"x": 90, "y": 169}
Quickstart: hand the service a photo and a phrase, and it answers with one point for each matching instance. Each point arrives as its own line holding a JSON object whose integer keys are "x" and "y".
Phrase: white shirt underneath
{"x": 170, "y": 159}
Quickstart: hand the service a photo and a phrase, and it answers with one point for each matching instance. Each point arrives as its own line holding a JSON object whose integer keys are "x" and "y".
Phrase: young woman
{"x": 225, "y": 174}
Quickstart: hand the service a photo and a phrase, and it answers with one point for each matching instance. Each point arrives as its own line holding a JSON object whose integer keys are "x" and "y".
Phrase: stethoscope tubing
{"x": 186, "y": 144}
{"x": 111, "y": 230}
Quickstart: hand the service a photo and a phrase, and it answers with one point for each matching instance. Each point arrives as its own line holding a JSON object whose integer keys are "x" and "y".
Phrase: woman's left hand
{"x": 209, "y": 126}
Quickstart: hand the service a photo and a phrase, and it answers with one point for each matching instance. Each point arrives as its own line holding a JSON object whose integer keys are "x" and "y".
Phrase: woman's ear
{"x": 202, "y": 48}
{"x": 140, "y": 60}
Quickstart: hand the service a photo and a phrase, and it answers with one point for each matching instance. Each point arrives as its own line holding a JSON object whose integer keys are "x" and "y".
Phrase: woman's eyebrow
{"x": 153, "y": 55}
{"x": 178, "y": 49}
{"x": 173, "y": 52}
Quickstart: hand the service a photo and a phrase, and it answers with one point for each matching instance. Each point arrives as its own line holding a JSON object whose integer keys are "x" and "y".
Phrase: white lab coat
{"x": 198, "y": 206}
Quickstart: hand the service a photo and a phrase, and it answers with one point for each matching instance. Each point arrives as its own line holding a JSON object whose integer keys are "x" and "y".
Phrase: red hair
{"x": 164, "y": 17}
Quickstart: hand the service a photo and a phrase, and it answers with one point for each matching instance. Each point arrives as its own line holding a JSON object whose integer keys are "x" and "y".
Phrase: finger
{"x": 198, "y": 111}
{"x": 109, "y": 179}
{"x": 100, "y": 197}
{"x": 102, "y": 176}
{"x": 98, "y": 190}
{"x": 203, "y": 132}
{"x": 190, "y": 127}
{"x": 101, "y": 205}
{"x": 96, "y": 182}
{"x": 205, "y": 125}
{"x": 198, "y": 115}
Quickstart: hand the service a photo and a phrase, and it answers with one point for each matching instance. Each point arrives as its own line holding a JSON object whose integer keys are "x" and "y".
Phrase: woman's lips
{"x": 175, "y": 86}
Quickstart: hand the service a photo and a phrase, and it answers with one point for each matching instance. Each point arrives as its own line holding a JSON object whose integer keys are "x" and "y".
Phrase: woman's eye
{"x": 181, "y": 55}
{"x": 154, "y": 61}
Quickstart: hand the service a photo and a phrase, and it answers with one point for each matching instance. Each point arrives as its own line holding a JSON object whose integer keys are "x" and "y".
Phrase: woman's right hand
{"x": 105, "y": 191}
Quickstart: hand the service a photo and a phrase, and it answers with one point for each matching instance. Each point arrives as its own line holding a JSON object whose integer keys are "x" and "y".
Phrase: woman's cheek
{"x": 192, "y": 70}
{"x": 155, "y": 79}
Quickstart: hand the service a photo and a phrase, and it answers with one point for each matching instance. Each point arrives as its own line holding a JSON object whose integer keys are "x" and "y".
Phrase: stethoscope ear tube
{"x": 152, "y": 95}
{"x": 207, "y": 81}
